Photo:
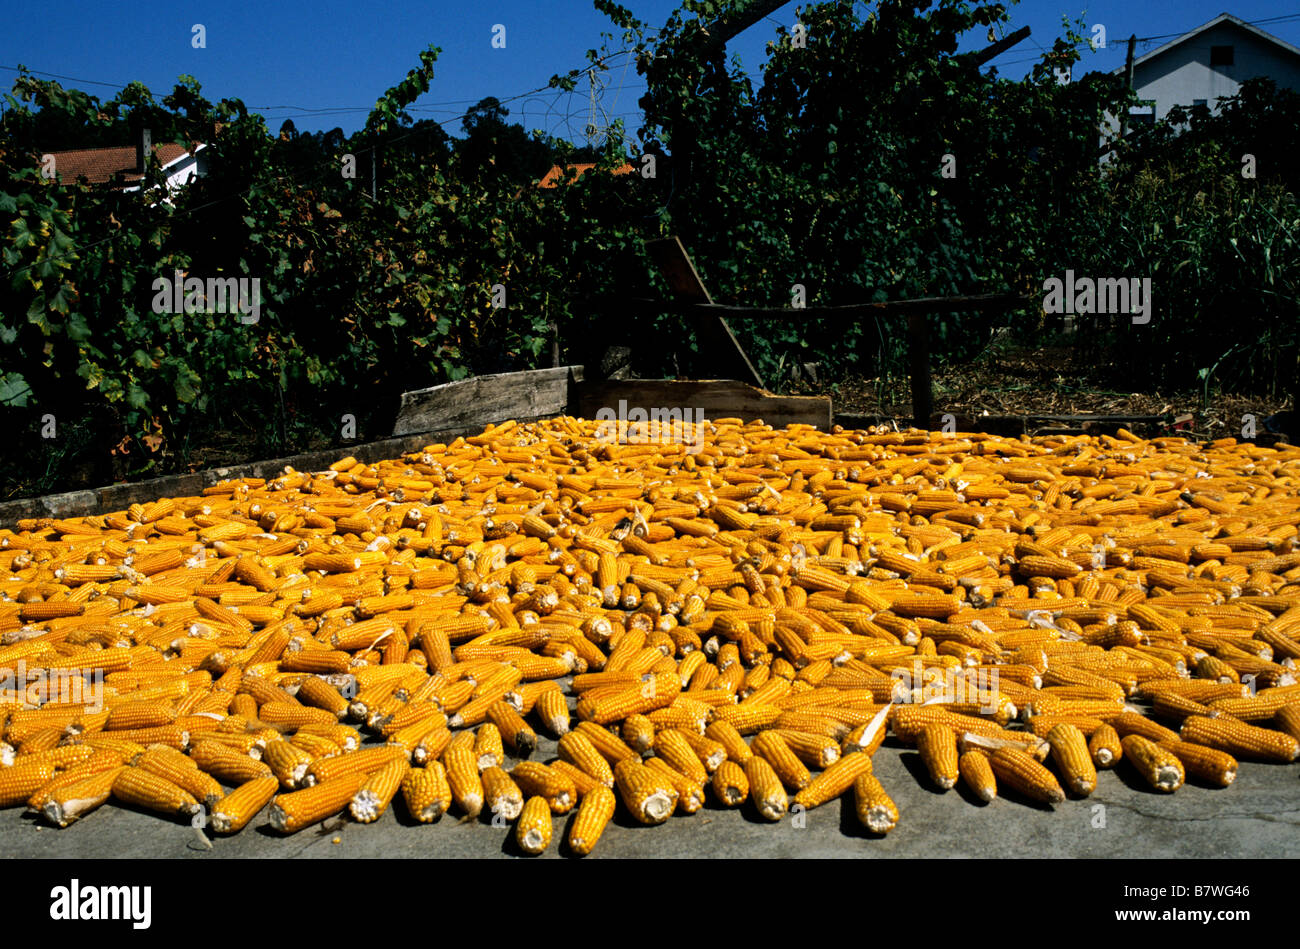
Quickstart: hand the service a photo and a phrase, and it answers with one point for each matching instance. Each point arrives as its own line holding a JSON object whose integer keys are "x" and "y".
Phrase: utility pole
{"x": 1128, "y": 83}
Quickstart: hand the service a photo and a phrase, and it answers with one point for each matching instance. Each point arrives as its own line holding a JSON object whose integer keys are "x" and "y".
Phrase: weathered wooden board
{"x": 481, "y": 400}
{"x": 716, "y": 398}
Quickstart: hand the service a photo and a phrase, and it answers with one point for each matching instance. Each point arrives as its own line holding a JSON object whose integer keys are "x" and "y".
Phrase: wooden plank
{"x": 716, "y": 398}
{"x": 918, "y": 357}
{"x": 480, "y": 400}
{"x": 1001, "y": 46}
{"x": 715, "y": 337}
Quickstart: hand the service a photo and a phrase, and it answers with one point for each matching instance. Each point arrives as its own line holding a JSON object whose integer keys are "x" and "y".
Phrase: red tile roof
{"x": 103, "y": 165}
{"x": 558, "y": 173}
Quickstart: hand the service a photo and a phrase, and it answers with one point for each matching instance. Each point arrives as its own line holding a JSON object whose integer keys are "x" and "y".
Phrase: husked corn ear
{"x": 372, "y": 800}
{"x": 513, "y": 728}
{"x": 552, "y": 709}
{"x": 464, "y": 779}
{"x": 978, "y": 775}
{"x": 834, "y": 781}
{"x": 1104, "y": 746}
{"x": 143, "y": 789}
{"x": 533, "y": 830}
{"x": 1238, "y": 738}
{"x": 535, "y": 778}
{"x": 730, "y": 785}
{"x": 228, "y": 765}
{"x": 876, "y": 811}
{"x": 582, "y": 781}
{"x": 79, "y": 798}
{"x": 938, "y": 747}
{"x": 426, "y": 792}
{"x": 488, "y": 749}
{"x": 292, "y": 812}
{"x": 501, "y": 794}
{"x": 577, "y": 749}
{"x": 1208, "y": 764}
{"x": 233, "y": 812}
{"x": 1019, "y": 771}
{"x": 671, "y": 745}
{"x": 648, "y": 798}
{"x": 606, "y": 742}
{"x": 1158, "y": 766}
{"x": 592, "y": 818}
{"x": 1073, "y": 761}
{"x": 765, "y": 788}
{"x": 775, "y": 751}
{"x": 690, "y": 793}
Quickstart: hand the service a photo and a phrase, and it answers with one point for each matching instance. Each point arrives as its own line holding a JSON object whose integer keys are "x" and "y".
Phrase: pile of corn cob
{"x": 749, "y": 621}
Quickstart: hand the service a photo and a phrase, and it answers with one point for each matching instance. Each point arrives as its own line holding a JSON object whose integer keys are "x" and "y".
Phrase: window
{"x": 1196, "y": 102}
{"x": 1221, "y": 56}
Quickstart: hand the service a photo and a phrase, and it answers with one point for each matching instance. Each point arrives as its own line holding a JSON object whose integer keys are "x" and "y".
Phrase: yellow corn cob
{"x": 464, "y": 779}
{"x": 370, "y": 802}
{"x": 488, "y": 750}
{"x": 875, "y": 809}
{"x": 201, "y": 786}
{"x": 233, "y": 812}
{"x": 1239, "y": 739}
{"x": 228, "y": 765}
{"x": 777, "y": 752}
{"x": 553, "y": 710}
{"x": 765, "y": 788}
{"x": 535, "y": 778}
{"x": 1208, "y": 764}
{"x": 577, "y": 749}
{"x": 729, "y": 783}
{"x": 834, "y": 781}
{"x": 427, "y": 792}
{"x": 1159, "y": 767}
{"x": 513, "y": 728}
{"x": 592, "y": 818}
{"x": 938, "y": 747}
{"x": 143, "y": 789}
{"x": 79, "y": 798}
{"x": 1104, "y": 746}
{"x": 608, "y": 744}
{"x": 672, "y": 746}
{"x": 1019, "y": 771}
{"x": 533, "y": 830}
{"x": 977, "y": 774}
{"x": 292, "y": 812}
{"x": 1070, "y": 752}
{"x": 582, "y": 781}
{"x": 648, "y": 797}
{"x": 690, "y": 794}
{"x": 500, "y": 793}
{"x": 364, "y": 762}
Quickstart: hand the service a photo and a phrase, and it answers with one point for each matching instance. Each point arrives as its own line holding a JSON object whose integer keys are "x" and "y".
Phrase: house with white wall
{"x": 122, "y": 166}
{"x": 1207, "y": 63}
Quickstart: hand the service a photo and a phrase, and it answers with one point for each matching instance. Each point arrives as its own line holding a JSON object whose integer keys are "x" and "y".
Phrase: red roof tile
{"x": 104, "y": 165}
{"x": 558, "y": 173}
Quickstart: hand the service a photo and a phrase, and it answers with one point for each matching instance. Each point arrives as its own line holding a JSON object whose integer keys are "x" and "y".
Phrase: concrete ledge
{"x": 118, "y": 497}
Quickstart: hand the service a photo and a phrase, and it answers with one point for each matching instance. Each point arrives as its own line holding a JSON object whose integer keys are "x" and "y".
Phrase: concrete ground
{"x": 1259, "y": 816}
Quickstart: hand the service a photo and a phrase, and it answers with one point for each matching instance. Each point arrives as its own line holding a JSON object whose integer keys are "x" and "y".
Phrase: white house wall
{"x": 1184, "y": 74}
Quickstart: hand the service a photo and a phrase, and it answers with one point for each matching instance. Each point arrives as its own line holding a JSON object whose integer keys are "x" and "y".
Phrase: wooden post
{"x": 724, "y": 351}
{"x": 918, "y": 357}
{"x": 1128, "y": 83}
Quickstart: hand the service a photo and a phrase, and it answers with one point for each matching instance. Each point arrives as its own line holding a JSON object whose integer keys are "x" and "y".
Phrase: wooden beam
{"x": 1001, "y": 46}
{"x": 715, "y": 337}
{"x": 971, "y": 303}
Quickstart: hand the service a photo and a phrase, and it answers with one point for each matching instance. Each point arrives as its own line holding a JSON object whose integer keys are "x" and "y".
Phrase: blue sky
{"x": 323, "y": 64}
